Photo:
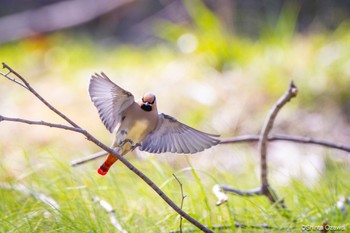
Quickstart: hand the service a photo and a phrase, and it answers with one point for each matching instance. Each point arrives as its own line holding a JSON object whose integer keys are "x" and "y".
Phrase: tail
{"x": 103, "y": 169}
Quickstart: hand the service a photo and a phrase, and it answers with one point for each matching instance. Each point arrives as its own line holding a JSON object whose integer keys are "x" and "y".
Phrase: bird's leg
{"x": 121, "y": 139}
{"x": 125, "y": 140}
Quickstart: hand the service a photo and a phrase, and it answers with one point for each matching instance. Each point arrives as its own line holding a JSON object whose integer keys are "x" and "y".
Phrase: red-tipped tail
{"x": 103, "y": 169}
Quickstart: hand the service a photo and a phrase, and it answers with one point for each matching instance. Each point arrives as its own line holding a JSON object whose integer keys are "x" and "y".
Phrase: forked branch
{"x": 265, "y": 188}
{"x": 182, "y": 199}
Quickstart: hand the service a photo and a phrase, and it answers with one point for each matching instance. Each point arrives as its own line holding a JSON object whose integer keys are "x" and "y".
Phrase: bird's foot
{"x": 123, "y": 142}
{"x": 134, "y": 146}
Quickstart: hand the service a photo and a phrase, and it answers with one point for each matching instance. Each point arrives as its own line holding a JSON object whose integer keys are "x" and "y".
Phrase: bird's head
{"x": 148, "y": 102}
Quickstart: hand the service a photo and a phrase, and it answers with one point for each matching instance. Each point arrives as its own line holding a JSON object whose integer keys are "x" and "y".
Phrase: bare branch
{"x": 291, "y": 92}
{"x": 290, "y": 138}
{"x": 44, "y": 123}
{"x": 123, "y": 160}
{"x": 89, "y": 158}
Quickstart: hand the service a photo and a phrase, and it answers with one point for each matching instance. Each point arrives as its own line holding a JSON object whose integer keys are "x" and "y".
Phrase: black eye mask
{"x": 146, "y": 107}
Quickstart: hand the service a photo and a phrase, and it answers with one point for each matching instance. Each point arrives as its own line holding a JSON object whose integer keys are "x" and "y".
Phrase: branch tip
{"x": 293, "y": 89}
{"x": 222, "y": 197}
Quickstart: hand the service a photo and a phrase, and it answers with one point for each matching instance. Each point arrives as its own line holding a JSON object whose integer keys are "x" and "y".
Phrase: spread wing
{"x": 171, "y": 135}
{"x": 109, "y": 99}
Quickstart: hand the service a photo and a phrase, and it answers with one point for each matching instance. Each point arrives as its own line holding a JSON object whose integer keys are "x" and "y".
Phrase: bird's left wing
{"x": 173, "y": 136}
{"x": 110, "y": 100}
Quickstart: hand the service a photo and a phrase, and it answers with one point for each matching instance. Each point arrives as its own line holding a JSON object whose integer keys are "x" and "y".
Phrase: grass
{"x": 138, "y": 209}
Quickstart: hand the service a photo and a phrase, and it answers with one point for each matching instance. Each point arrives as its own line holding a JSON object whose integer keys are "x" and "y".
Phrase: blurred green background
{"x": 218, "y": 66}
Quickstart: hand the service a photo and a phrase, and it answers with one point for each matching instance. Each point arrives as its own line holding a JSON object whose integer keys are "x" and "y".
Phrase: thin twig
{"x": 182, "y": 199}
{"x": 123, "y": 160}
{"x": 250, "y": 192}
{"x": 12, "y": 79}
{"x": 92, "y": 157}
{"x": 44, "y": 123}
{"x": 34, "y": 92}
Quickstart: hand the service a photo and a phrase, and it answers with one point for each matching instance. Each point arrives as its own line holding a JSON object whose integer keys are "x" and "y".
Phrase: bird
{"x": 138, "y": 124}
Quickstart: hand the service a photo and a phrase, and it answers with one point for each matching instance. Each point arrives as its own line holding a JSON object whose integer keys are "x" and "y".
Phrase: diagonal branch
{"x": 91, "y": 138}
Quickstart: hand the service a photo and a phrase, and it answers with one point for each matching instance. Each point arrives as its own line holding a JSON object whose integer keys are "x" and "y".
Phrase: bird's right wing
{"x": 173, "y": 136}
{"x": 110, "y": 100}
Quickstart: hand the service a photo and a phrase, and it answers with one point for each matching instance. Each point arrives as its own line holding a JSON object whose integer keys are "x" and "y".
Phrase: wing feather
{"x": 110, "y": 100}
{"x": 171, "y": 135}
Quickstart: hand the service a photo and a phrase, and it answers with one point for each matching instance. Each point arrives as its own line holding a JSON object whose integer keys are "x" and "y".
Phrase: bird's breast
{"x": 137, "y": 130}
{"x": 138, "y": 123}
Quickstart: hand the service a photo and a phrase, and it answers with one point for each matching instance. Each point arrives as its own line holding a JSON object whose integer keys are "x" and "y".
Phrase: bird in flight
{"x": 138, "y": 124}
